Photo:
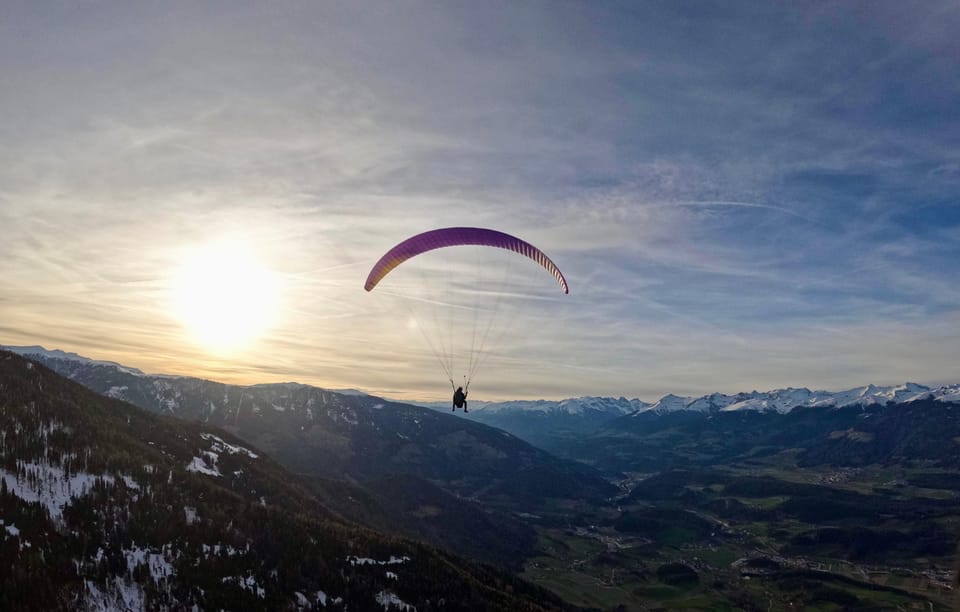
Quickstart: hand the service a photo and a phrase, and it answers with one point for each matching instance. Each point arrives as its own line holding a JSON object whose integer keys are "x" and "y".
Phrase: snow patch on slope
{"x": 248, "y": 583}
{"x": 200, "y": 465}
{"x": 119, "y": 594}
{"x": 217, "y": 445}
{"x": 207, "y": 462}
{"x": 156, "y": 562}
{"x": 389, "y": 598}
{"x": 49, "y": 485}
{"x": 368, "y": 561}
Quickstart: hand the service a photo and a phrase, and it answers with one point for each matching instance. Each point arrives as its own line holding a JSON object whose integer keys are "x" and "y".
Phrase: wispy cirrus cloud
{"x": 739, "y": 194}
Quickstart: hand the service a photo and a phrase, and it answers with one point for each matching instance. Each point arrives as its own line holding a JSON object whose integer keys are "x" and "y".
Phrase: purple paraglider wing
{"x": 456, "y": 236}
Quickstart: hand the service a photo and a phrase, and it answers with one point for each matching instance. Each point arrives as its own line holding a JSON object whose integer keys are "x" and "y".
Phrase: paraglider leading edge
{"x": 457, "y": 236}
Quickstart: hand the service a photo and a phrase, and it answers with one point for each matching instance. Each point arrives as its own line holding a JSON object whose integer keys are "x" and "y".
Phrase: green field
{"x": 761, "y": 551}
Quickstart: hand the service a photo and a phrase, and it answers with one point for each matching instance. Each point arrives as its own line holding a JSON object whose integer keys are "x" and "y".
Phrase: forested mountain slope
{"x": 126, "y": 509}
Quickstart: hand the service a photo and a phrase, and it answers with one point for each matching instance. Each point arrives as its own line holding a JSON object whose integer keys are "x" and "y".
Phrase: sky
{"x": 741, "y": 195}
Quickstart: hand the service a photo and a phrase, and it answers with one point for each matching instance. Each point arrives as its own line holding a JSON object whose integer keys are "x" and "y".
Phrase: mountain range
{"x": 778, "y": 400}
{"x": 785, "y": 400}
{"x": 350, "y": 435}
{"x": 104, "y": 506}
{"x": 549, "y": 424}
{"x": 579, "y": 495}
{"x": 464, "y": 480}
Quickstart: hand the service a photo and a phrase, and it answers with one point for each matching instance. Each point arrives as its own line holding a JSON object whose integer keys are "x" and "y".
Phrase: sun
{"x": 225, "y": 296}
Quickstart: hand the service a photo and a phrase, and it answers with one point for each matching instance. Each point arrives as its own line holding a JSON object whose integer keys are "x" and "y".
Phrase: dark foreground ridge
{"x": 122, "y": 509}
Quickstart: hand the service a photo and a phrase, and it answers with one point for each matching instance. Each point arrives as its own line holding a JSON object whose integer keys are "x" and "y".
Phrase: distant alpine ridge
{"x": 785, "y": 400}
{"x": 777, "y": 400}
{"x": 574, "y": 406}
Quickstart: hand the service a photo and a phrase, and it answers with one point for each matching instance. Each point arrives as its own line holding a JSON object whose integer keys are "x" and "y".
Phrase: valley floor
{"x": 759, "y": 536}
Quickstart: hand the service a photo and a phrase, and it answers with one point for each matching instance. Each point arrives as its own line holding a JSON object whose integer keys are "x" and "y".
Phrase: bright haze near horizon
{"x": 741, "y": 195}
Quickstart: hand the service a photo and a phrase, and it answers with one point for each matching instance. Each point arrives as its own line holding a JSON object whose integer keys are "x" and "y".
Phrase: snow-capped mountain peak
{"x": 785, "y": 400}
{"x": 674, "y": 403}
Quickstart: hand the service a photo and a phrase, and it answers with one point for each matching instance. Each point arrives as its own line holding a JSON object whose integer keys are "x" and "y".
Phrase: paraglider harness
{"x": 460, "y": 396}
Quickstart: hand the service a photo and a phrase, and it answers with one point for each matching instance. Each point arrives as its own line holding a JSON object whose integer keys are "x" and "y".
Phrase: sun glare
{"x": 225, "y": 296}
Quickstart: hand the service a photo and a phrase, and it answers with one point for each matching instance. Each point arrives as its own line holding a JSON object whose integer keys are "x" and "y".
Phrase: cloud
{"x": 728, "y": 190}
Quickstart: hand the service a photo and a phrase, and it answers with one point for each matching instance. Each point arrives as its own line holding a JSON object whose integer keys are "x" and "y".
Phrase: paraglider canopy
{"x": 449, "y": 310}
{"x": 458, "y": 236}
